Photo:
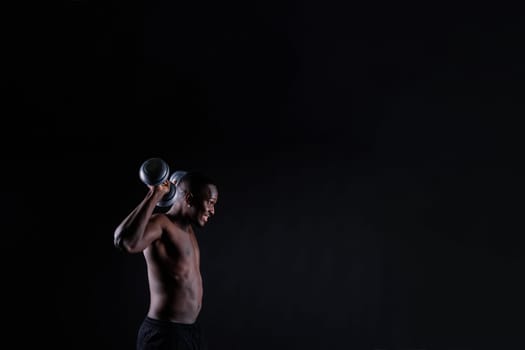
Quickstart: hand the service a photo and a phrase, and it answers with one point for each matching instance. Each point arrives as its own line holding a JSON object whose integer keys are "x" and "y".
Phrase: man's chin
{"x": 203, "y": 221}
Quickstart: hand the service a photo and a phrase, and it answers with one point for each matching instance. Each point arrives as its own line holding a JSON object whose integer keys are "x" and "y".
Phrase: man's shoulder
{"x": 171, "y": 223}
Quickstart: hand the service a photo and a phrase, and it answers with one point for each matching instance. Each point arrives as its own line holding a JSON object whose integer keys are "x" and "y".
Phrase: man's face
{"x": 205, "y": 204}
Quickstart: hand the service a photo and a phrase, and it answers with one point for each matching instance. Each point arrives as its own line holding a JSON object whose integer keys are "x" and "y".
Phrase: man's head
{"x": 197, "y": 195}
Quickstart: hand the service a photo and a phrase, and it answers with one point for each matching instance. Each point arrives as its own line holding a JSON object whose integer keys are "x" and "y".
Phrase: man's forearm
{"x": 132, "y": 228}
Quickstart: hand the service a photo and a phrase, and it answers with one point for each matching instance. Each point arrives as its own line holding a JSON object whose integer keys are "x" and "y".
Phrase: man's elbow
{"x": 124, "y": 245}
{"x": 118, "y": 242}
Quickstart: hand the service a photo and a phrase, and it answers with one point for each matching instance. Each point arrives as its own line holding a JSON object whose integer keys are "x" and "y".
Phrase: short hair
{"x": 196, "y": 181}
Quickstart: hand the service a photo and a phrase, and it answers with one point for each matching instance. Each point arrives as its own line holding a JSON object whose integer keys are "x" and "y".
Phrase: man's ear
{"x": 188, "y": 197}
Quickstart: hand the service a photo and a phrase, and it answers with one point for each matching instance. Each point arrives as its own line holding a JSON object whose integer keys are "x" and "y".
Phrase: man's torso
{"x": 175, "y": 281}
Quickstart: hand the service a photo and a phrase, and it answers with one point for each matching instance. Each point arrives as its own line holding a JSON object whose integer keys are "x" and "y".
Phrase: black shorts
{"x": 159, "y": 335}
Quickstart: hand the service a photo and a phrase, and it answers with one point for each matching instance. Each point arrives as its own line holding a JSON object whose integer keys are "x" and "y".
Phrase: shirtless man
{"x": 170, "y": 248}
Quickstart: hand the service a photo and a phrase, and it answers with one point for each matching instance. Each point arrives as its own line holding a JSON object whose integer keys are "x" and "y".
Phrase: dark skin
{"x": 170, "y": 248}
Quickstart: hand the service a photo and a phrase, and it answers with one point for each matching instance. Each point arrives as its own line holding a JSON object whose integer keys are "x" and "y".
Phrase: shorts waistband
{"x": 169, "y": 324}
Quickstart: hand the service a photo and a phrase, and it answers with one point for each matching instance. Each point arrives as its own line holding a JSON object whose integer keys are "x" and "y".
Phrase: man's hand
{"x": 161, "y": 189}
{"x": 164, "y": 192}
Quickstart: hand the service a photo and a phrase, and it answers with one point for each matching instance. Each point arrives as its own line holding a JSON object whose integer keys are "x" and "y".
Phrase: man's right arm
{"x": 140, "y": 227}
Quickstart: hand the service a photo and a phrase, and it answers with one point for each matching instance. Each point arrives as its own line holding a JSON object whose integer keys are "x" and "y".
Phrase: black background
{"x": 367, "y": 155}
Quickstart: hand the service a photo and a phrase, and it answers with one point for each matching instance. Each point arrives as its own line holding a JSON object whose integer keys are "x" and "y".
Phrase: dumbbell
{"x": 176, "y": 176}
{"x": 155, "y": 171}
